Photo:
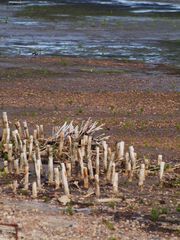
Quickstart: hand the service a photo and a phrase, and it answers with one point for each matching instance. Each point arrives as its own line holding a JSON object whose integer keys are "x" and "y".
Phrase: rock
{"x": 64, "y": 200}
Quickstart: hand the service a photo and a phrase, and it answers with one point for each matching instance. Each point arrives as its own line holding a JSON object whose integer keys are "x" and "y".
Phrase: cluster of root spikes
{"x": 72, "y": 157}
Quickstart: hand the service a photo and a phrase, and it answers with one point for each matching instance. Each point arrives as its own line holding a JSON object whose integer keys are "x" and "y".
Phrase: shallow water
{"x": 135, "y": 30}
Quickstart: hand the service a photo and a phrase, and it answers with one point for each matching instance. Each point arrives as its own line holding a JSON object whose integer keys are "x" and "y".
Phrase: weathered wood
{"x": 97, "y": 160}
{"x": 26, "y": 130}
{"x": 15, "y": 186}
{"x": 57, "y": 177}
{"x": 105, "y": 155}
{"x": 115, "y": 183}
{"x": 81, "y": 163}
{"x": 64, "y": 179}
{"x": 10, "y": 157}
{"x": 86, "y": 179}
{"x": 6, "y": 170}
{"x": 26, "y": 178}
{"x": 16, "y": 166}
{"x": 30, "y": 147}
{"x": 50, "y": 170}
{"x": 160, "y": 158}
{"x": 34, "y": 190}
{"x": 97, "y": 191}
{"x": 61, "y": 144}
{"x": 141, "y": 175}
{"x": 161, "y": 172}
{"x": 109, "y": 171}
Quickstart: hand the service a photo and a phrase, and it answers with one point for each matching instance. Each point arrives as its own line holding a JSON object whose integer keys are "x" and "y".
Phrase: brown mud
{"x": 138, "y": 103}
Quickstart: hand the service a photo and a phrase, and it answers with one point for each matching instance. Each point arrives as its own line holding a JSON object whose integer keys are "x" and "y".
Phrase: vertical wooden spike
{"x": 90, "y": 167}
{"x": 141, "y": 175}
{"x": 50, "y": 170}
{"x": 10, "y": 157}
{"x": 16, "y": 166}
{"x": 38, "y": 131}
{"x": 129, "y": 171}
{"x": 115, "y": 183}
{"x": 133, "y": 157}
{"x": 126, "y": 162}
{"x": 86, "y": 179}
{"x": 41, "y": 131}
{"x": 161, "y": 172}
{"x": 97, "y": 185}
{"x": 160, "y": 158}
{"x": 15, "y": 186}
{"x": 57, "y": 177}
{"x": 109, "y": 171}
{"x": 105, "y": 148}
{"x": 34, "y": 190}
{"x": 69, "y": 169}
{"x": 19, "y": 129}
{"x": 113, "y": 172}
{"x": 35, "y": 134}
{"x": 26, "y": 178}
{"x": 97, "y": 160}
{"x": 64, "y": 179}
{"x": 61, "y": 144}
{"x": 37, "y": 166}
{"x": 6, "y": 170}
{"x": 81, "y": 162}
{"x": 26, "y": 130}
{"x": 30, "y": 147}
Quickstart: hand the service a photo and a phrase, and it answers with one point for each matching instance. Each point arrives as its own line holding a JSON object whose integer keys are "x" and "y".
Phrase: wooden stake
{"x": 57, "y": 177}
{"x": 61, "y": 143}
{"x": 35, "y": 134}
{"x": 64, "y": 179}
{"x": 97, "y": 160}
{"x": 97, "y": 185}
{"x": 81, "y": 162}
{"x": 161, "y": 173}
{"x": 16, "y": 166}
{"x": 113, "y": 172}
{"x": 37, "y": 166}
{"x": 126, "y": 162}
{"x": 26, "y": 178}
{"x": 30, "y": 147}
{"x": 14, "y": 135}
{"x": 41, "y": 131}
{"x": 115, "y": 183}
{"x": 19, "y": 129}
{"x": 160, "y": 158}
{"x": 25, "y": 152}
{"x": 6, "y": 170}
{"x": 6, "y": 129}
{"x": 21, "y": 162}
{"x": 86, "y": 179}
{"x": 133, "y": 157}
{"x": 90, "y": 167}
{"x": 141, "y": 175}
{"x": 15, "y": 186}
{"x": 105, "y": 147}
{"x": 120, "y": 150}
{"x": 50, "y": 170}
{"x": 69, "y": 168}
{"x": 129, "y": 171}
{"x": 26, "y": 130}
{"x": 10, "y": 157}
{"x": 34, "y": 190}
{"x": 109, "y": 171}
{"x": 38, "y": 132}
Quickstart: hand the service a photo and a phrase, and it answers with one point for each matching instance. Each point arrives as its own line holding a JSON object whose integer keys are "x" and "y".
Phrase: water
{"x": 135, "y": 30}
